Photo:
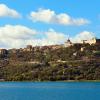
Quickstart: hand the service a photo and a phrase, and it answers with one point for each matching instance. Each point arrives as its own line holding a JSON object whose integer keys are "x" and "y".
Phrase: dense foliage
{"x": 70, "y": 63}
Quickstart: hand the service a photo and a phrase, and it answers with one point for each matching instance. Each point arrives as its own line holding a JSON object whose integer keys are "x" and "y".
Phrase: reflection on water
{"x": 49, "y": 91}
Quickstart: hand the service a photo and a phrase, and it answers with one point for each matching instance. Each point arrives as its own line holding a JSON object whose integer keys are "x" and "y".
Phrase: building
{"x": 14, "y": 50}
{"x": 68, "y": 43}
{"x": 82, "y": 49}
{"x": 55, "y": 47}
{"x": 98, "y": 41}
{"x": 29, "y": 48}
{"x": 92, "y": 41}
{"x": 3, "y": 51}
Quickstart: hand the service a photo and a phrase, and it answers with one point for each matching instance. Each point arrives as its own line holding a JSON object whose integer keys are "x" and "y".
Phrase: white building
{"x": 68, "y": 43}
{"x": 92, "y": 41}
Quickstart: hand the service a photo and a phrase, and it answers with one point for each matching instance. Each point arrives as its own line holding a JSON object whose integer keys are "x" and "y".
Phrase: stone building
{"x": 68, "y": 43}
{"x": 3, "y": 51}
{"x": 29, "y": 48}
{"x": 14, "y": 50}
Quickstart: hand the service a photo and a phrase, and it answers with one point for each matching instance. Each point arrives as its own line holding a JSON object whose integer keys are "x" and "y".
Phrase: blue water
{"x": 49, "y": 91}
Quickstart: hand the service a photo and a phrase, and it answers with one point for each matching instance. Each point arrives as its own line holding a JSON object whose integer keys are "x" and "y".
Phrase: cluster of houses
{"x": 68, "y": 43}
{"x": 91, "y": 42}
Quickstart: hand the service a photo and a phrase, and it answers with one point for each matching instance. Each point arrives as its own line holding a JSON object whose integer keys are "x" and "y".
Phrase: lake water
{"x": 49, "y": 91}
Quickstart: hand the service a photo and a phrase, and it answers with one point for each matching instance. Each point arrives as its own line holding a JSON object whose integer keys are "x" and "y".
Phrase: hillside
{"x": 51, "y": 63}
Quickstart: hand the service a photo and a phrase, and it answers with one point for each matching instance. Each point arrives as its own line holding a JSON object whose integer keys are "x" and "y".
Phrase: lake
{"x": 49, "y": 91}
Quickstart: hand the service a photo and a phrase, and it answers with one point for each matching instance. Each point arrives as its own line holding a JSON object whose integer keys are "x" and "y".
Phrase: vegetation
{"x": 70, "y": 63}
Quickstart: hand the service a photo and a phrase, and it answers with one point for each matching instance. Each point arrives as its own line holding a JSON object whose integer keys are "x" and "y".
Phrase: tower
{"x": 68, "y": 43}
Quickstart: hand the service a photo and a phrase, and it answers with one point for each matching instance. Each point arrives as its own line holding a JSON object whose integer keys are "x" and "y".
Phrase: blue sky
{"x": 89, "y": 10}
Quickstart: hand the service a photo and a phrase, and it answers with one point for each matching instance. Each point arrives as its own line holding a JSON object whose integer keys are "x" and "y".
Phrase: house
{"x": 82, "y": 49}
{"x": 92, "y": 41}
{"x": 55, "y": 47}
{"x": 3, "y": 51}
{"x": 14, "y": 50}
{"x": 28, "y": 48}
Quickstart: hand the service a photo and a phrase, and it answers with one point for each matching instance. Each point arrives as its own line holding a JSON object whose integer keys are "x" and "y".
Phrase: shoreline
{"x": 58, "y": 81}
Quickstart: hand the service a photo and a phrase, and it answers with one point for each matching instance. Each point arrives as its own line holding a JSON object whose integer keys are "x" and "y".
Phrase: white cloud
{"x": 8, "y": 12}
{"x": 16, "y": 32}
{"x": 50, "y": 37}
{"x": 15, "y": 36}
{"x": 85, "y": 35}
{"x": 49, "y": 16}
{"x": 19, "y": 36}
{"x": 53, "y": 37}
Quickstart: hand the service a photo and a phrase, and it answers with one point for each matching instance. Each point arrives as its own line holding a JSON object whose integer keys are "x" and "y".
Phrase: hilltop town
{"x": 68, "y": 43}
{"x": 68, "y": 61}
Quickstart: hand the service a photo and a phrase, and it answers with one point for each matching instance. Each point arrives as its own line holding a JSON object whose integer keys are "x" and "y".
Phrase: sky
{"x": 47, "y": 22}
